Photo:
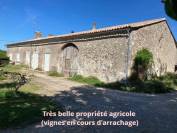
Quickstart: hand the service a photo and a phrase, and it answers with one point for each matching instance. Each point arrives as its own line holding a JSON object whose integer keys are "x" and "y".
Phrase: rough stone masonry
{"x": 105, "y": 53}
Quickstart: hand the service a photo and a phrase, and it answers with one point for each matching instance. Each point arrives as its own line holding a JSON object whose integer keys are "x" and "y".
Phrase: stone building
{"x": 106, "y": 53}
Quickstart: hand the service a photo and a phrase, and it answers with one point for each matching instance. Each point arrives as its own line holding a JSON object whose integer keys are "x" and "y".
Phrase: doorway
{"x": 69, "y": 63}
{"x": 27, "y": 61}
{"x": 46, "y": 62}
{"x": 34, "y": 62}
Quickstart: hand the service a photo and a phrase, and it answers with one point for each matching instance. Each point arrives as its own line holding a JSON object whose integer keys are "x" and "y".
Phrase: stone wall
{"x": 158, "y": 39}
{"x": 107, "y": 58}
{"x": 18, "y": 50}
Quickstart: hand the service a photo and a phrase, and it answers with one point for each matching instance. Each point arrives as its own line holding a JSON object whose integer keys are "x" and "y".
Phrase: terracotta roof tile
{"x": 130, "y": 25}
{"x": 133, "y": 25}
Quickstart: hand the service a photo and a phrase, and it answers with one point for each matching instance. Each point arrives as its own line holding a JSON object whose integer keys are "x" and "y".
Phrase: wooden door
{"x": 27, "y": 61}
{"x": 46, "y": 62}
{"x": 70, "y": 60}
{"x": 18, "y": 57}
{"x": 34, "y": 62}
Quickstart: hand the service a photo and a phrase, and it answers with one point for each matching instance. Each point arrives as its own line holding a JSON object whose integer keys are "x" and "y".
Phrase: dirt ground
{"x": 155, "y": 113}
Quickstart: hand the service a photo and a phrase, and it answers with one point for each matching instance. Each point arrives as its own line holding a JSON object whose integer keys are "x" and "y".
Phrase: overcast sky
{"x": 19, "y": 19}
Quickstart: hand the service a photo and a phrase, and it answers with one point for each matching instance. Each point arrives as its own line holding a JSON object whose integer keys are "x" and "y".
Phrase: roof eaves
{"x": 106, "y": 29}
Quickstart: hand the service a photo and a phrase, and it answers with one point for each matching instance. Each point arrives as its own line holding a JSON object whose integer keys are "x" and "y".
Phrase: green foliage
{"x": 3, "y": 54}
{"x": 55, "y": 74}
{"x": 21, "y": 109}
{"x": 169, "y": 80}
{"x": 150, "y": 86}
{"x": 115, "y": 85}
{"x": 142, "y": 62}
{"x": 30, "y": 88}
{"x": 13, "y": 68}
{"x": 171, "y": 8}
{"x": 4, "y": 60}
{"x": 88, "y": 80}
{"x": 2, "y": 77}
{"x": 143, "y": 58}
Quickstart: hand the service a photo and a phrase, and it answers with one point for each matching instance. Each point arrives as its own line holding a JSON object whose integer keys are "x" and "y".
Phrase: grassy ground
{"x": 162, "y": 84}
{"x": 30, "y": 88}
{"x": 22, "y": 108}
{"x": 55, "y": 74}
{"x": 88, "y": 80}
{"x": 14, "y": 68}
{"x": 2, "y": 77}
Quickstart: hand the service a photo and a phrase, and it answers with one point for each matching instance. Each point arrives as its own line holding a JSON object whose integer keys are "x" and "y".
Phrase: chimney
{"x": 94, "y": 26}
{"x": 38, "y": 34}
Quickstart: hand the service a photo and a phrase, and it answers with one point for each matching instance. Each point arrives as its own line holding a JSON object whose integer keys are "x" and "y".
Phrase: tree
{"x": 171, "y": 8}
{"x": 3, "y": 58}
{"x": 2, "y": 54}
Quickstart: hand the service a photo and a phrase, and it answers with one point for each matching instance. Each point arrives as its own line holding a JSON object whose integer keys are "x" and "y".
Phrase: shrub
{"x": 155, "y": 86}
{"x": 142, "y": 62}
{"x": 149, "y": 86}
{"x": 144, "y": 58}
{"x": 169, "y": 79}
{"x": 4, "y": 60}
{"x": 3, "y": 54}
{"x": 55, "y": 74}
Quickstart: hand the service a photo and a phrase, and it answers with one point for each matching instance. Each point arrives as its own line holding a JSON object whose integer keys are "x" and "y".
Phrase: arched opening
{"x": 69, "y": 59}
{"x": 69, "y": 45}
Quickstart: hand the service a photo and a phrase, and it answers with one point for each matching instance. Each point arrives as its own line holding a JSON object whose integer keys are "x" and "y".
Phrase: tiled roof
{"x": 133, "y": 25}
{"x": 106, "y": 29}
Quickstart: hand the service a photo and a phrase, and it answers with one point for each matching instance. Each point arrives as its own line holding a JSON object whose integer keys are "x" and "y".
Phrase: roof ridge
{"x": 104, "y": 29}
{"x": 121, "y": 26}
